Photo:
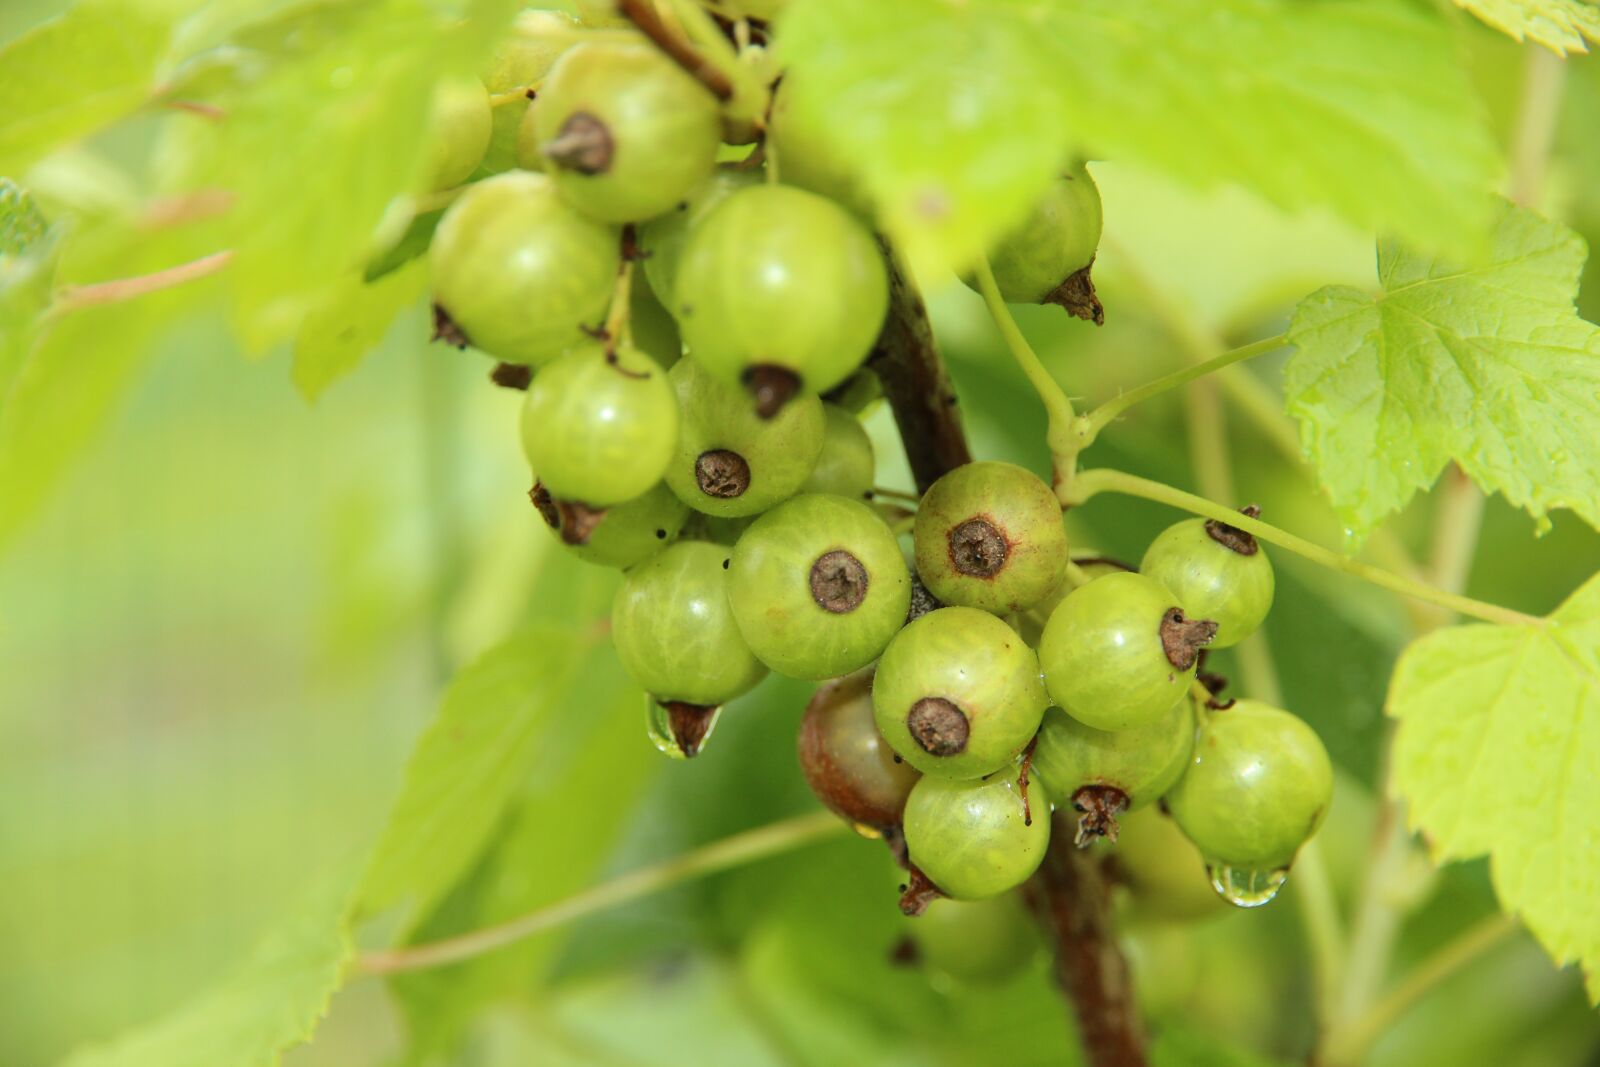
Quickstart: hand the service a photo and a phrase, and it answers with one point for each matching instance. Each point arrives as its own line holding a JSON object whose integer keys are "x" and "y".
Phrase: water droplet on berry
{"x": 681, "y": 731}
{"x": 1246, "y": 887}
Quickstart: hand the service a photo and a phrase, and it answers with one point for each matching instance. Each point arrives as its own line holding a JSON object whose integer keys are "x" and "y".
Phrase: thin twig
{"x": 643, "y": 14}
{"x": 72, "y": 298}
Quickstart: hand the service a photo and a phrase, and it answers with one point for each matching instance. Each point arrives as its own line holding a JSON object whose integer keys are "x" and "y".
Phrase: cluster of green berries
{"x": 693, "y": 336}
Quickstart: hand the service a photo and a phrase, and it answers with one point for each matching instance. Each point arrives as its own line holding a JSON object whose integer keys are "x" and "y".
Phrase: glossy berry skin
{"x": 1212, "y": 580}
{"x": 979, "y": 942}
{"x": 674, "y": 631}
{"x": 626, "y": 132}
{"x": 1058, "y": 239}
{"x": 662, "y": 239}
{"x": 619, "y": 536}
{"x": 971, "y": 837}
{"x": 1162, "y": 871}
{"x": 846, "y": 466}
{"x": 599, "y": 424}
{"x": 518, "y": 272}
{"x": 1142, "y": 763}
{"x": 730, "y": 462}
{"x": 458, "y": 132}
{"x": 957, "y": 693}
{"x": 846, "y": 762}
{"x": 989, "y": 535}
{"x": 818, "y": 586}
{"x": 797, "y": 134}
{"x": 778, "y": 278}
{"x": 1103, "y": 657}
{"x": 523, "y": 58}
{"x": 1256, "y": 789}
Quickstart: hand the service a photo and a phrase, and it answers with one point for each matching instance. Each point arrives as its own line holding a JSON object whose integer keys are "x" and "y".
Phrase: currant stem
{"x": 74, "y": 297}
{"x": 1091, "y": 423}
{"x": 1089, "y": 483}
{"x": 1062, "y": 434}
{"x": 616, "y": 324}
{"x": 1350, "y": 1045}
{"x": 737, "y": 850}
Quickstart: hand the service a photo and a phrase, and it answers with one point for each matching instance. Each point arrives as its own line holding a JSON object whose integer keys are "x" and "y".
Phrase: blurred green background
{"x": 220, "y": 639}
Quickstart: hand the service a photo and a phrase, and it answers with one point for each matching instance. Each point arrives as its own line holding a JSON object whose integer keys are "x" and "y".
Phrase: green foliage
{"x": 348, "y": 322}
{"x": 1488, "y": 366}
{"x": 470, "y": 765}
{"x": 274, "y": 999}
{"x": 77, "y": 74}
{"x": 1496, "y": 754}
{"x": 1559, "y": 25}
{"x": 1360, "y": 107}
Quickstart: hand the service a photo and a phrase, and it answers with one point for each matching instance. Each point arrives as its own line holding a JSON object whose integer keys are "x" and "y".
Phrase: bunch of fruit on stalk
{"x": 690, "y": 319}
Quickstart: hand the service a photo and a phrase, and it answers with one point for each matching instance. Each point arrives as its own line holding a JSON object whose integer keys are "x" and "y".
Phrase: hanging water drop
{"x": 678, "y": 729}
{"x": 1246, "y": 887}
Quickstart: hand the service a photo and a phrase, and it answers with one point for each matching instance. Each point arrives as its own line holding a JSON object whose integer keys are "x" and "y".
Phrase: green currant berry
{"x": 1256, "y": 789}
{"x": 654, "y": 330}
{"x": 675, "y": 633}
{"x": 626, "y": 132}
{"x": 819, "y": 586}
{"x": 458, "y": 132}
{"x": 972, "y": 838}
{"x": 1217, "y": 572}
{"x": 989, "y": 535}
{"x": 618, "y": 536}
{"x": 523, "y": 58}
{"x": 1046, "y": 259}
{"x": 1104, "y": 773}
{"x": 731, "y": 462}
{"x": 1119, "y": 652}
{"x": 599, "y": 424}
{"x": 780, "y": 290}
{"x": 958, "y": 693}
{"x": 662, "y": 239}
{"x": 846, "y": 465}
{"x": 979, "y": 942}
{"x": 846, "y": 762}
{"x": 517, "y": 273}
{"x": 797, "y": 137}
{"x": 1162, "y": 871}
{"x": 600, "y": 14}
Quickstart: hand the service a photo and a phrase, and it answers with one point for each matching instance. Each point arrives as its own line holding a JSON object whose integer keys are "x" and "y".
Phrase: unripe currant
{"x": 662, "y": 239}
{"x": 625, "y": 131}
{"x": 973, "y": 839}
{"x": 1046, "y": 260}
{"x": 1102, "y": 774}
{"x": 1256, "y": 789}
{"x": 731, "y": 462}
{"x": 522, "y": 59}
{"x": 599, "y": 424}
{"x": 846, "y": 762}
{"x": 1217, "y": 572}
{"x": 517, "y": 273}
{"x": 618, "y": 536}
{"x": 797, "y": 137}
{"x": 818, "y": 586}
{"x": 957, "y": 693}
{"x": 1162, "y": 871}
{"x": 846, "y": 465}
{"x": 979, "y": 942}
{"x": 458, "y": 132}
{"x": 1119, "y": 652}
{"x": 781, "y": 291}
{"x": 989, "y": 535}
{"x": 675, "y": 634}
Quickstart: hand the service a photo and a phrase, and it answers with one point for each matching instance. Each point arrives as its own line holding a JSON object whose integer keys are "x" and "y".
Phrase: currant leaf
{"x": 1498, "y": 754}
{"x": 1489, "y": 366}
{"x": 1559, "y": 25}
{"x": 1362, "y": 107}
{"x": 348, "y": 322}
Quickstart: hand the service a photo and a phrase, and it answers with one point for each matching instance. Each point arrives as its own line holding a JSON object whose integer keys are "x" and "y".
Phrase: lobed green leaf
{"x": 348, "y": 322}
{"x": 1498, "y": 753}
{"x": 273, "y": 1001}
{"x": 1559, "y": 25}
{"x": 1488, "y": 366}
{"x": 956, "y": 114}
